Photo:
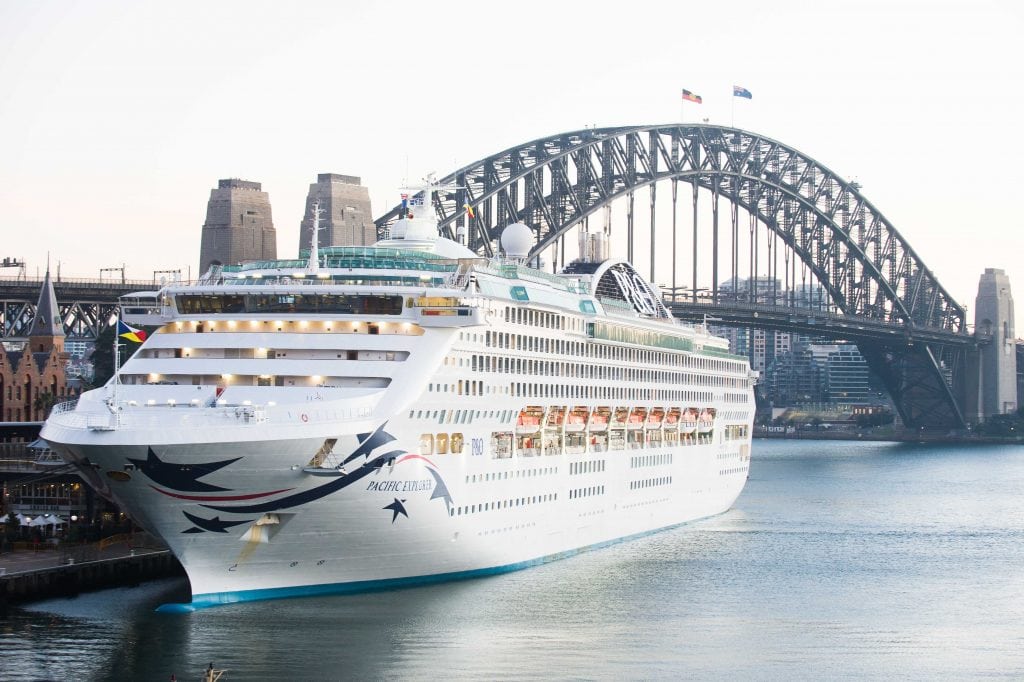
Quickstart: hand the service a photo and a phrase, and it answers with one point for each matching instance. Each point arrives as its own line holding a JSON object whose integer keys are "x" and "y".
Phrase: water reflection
{"x": 839, "y": 560}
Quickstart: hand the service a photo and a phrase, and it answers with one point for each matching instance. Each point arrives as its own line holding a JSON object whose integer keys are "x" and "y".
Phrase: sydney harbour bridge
{"x": 734, "y": 226}
{"x": 814, "y": 254}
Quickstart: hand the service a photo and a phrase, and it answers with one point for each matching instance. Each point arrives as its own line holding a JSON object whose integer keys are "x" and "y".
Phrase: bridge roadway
{"x": 811, "y": 321}
{"x": 73, "y": 289}
{"x": 86, "y": 305}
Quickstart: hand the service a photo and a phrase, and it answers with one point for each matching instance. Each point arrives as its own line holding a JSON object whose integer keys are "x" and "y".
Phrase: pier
{"x": 32, "y": 574}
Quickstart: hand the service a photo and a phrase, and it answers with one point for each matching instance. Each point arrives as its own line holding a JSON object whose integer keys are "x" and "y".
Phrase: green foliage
{"x": 43, "y": 402}
{"x": 103, "y": 354}
{"x": 12, "y": 526}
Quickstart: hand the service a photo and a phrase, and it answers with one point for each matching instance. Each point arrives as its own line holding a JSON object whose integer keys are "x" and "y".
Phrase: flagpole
{"x": 117, "y": 366}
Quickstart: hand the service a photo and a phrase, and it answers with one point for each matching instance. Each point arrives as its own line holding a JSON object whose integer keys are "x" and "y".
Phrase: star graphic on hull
{"x": 214, "y": 525}
{"x": 182, "y": 477}
{"x": 398, "y": 508}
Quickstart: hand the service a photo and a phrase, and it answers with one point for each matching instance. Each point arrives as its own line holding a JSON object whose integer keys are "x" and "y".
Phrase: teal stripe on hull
{"x": 204, "y": 601}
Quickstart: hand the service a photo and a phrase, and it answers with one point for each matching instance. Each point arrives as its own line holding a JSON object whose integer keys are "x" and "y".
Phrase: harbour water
{"x": 839, "y": 560}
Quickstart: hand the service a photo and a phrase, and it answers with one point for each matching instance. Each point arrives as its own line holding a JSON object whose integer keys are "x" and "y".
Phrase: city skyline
{"x": 115, "y": 125}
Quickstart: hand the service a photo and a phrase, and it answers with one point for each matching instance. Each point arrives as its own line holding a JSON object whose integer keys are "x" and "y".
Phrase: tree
{"x": 103, "y": 354}
{"x": 13, "y": 525}
{"x": 44, "y": 402}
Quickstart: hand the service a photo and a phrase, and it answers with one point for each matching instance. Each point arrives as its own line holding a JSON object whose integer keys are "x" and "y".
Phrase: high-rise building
{"x": 238, "y": 226}
{"x": 345, "y": 218}
{"x": 848, "y": 376}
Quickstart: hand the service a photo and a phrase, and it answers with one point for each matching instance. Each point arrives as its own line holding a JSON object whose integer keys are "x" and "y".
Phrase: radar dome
{"x": 516, "y": 240}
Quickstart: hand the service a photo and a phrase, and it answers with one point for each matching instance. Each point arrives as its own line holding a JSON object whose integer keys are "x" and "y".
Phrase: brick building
{"x": 32, "y": 378}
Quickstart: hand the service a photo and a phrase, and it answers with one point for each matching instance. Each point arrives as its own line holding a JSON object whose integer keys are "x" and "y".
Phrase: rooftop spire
{"x": 47, "y": 321}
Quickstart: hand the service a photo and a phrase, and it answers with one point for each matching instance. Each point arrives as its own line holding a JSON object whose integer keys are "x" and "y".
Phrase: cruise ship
{"x": 409, "y": 412}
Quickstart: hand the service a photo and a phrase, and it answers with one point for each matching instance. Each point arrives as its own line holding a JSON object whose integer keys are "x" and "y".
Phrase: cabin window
{"x": 427, "y": 444}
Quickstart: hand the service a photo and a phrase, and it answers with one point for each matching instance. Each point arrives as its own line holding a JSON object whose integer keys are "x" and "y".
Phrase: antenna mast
{"x": 313, "y": 264}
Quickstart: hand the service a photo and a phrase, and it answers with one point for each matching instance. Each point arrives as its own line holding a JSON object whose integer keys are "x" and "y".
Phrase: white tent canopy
{"x": 22, "y": 519}
{"x": 47, "y": 520}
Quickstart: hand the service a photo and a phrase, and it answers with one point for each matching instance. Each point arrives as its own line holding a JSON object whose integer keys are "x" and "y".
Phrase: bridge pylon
{"x": 992, "y": 376}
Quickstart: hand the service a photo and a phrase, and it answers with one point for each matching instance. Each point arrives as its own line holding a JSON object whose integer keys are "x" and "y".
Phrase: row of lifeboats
{"x": 575, "y": 419}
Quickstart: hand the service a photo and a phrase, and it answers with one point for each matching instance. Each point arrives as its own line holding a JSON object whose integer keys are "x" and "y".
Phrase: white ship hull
{"x": 394, "y": 519}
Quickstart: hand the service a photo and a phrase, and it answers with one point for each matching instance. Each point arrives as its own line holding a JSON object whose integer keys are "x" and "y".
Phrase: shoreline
{"x": 891, "y": 437}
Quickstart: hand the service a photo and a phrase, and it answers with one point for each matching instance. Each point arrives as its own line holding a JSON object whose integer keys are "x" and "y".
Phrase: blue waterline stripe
{"x": 205, "y": 601}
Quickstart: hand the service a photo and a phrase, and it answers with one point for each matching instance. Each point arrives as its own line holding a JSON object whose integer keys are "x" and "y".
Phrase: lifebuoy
{"x": 304, "y": 417}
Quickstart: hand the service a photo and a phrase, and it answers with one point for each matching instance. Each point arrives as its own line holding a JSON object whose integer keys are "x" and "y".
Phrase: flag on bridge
{"x": 690, "y": 97}
{"x": 737, "y": 91}
{"x": 130, "y": 333}
{"x": 469, "y": 210}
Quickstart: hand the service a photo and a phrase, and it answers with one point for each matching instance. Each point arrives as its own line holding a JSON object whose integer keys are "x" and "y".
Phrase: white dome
{"x": 516, "y": 240}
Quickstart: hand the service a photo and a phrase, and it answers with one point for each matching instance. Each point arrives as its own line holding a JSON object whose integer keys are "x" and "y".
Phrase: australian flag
{"x": 737, "y": 91}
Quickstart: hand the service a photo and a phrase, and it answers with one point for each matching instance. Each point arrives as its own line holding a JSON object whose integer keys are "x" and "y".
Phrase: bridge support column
{"x": 996, "y": 385}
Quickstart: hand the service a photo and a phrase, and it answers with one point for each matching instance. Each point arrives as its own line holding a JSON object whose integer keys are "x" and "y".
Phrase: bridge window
{"x": 193, "y": 304}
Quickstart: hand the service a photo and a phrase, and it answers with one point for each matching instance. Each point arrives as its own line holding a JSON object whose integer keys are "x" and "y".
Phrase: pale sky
{"x": 118, "y": 118}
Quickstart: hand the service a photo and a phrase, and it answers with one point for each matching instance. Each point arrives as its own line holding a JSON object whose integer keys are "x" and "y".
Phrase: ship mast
{"x": 313, "y": 264}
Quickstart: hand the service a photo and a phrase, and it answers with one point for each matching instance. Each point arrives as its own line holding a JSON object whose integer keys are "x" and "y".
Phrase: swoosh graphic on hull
{"x": 219, "y": 498}
{"x": 314, "y": 494}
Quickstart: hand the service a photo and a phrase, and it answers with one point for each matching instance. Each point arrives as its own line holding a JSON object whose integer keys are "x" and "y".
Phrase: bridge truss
{"x": 86, "y": 306}
{"x": 794, "y": 229}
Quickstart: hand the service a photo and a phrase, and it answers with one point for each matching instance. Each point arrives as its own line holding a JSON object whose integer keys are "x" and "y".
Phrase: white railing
{"x": 67, "y": 406}
{"x": 163, "y": 416}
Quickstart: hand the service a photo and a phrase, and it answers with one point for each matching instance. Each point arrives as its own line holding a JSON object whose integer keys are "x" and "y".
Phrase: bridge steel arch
{"x": 866, "y": 267}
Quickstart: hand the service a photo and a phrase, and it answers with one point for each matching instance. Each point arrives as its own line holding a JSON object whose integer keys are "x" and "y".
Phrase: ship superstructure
{"x": 408, "y": 412}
